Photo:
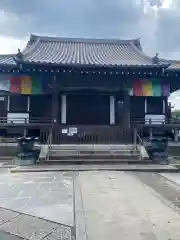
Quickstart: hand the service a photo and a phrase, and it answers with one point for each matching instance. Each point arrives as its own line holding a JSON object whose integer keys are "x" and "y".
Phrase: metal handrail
{"x": 137, "y": 138}
{"x": 140, "y": 139}
{"x": 140, "y": 142}
{"x": 155, "y": 121}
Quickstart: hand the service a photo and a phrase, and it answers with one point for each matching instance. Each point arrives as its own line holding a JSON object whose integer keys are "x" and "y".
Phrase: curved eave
{"x": 9, "y": 67}
{"x": 173, "y": 70}
{"x": 60, "y": 65}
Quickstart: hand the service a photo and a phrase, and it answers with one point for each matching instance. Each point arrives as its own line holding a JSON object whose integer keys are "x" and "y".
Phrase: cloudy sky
{"x": 156, "y": 22}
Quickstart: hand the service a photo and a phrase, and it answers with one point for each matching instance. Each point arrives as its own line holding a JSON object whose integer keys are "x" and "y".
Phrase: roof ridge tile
{"x": 83, "y": 40}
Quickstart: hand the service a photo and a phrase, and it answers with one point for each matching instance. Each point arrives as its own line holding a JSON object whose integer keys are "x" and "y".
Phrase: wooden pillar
{"x": 112, "y": 109}
{"x": 135, "y": 136}
{"x": 8, "y": 108}
{"x": 145, "y": 106}
{"x": 63, "y": 109}
{"x": 164, "y": 107}
{"x": 126, "y": 106}
{"x": 55, "y": 112}
{"x": 150, "y": 132}
{"x": 28, "y": 104}
{"x": 8, "y": 103}
{"x": 55, "y": 105}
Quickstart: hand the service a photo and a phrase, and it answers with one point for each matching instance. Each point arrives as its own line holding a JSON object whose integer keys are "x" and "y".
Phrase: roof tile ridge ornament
{"x": 19, "y": 56}
{"x": 156, "y": 60}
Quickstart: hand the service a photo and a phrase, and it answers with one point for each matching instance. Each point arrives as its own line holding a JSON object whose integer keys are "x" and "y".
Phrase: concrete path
{"x": 45, "y": 195}
{"x": 97, "y": 204}
{"x": 119, "y": 206}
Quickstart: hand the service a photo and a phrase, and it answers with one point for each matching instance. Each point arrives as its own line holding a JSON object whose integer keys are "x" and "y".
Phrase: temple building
{"x": 83, "y": 87}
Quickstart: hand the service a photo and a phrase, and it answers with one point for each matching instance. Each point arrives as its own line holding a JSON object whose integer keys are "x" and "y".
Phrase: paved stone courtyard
{"x": 34, "y": 199}
{"x": 46, "y": 195}
{"x": 22, "y": 226}
{"x": 85, "y": 206}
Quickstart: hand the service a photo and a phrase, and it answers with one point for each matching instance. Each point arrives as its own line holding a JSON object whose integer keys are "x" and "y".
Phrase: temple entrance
{"x": 41, "y": 106}
{"x": 137, "y": 109}
{"x": 89, "y": 109}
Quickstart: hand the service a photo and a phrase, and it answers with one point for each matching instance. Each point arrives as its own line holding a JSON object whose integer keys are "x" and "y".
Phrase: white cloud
{"x": 154, "y": 21}
{"x": 10, "y": 44}
{"x": 166, "y": 3}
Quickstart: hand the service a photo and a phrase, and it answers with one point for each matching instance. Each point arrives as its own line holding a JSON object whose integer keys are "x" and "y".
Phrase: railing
{"x": 44, "y": 135}
{"x": 93, "y": 134}
{"x": 7, "y": 140}
{"x": 137, "y": 138}
{"x": 9, "y": 133}
{"x": 138, "y": 141}
{"x": 23, "y": 120}
{"x": 154, "y": 121}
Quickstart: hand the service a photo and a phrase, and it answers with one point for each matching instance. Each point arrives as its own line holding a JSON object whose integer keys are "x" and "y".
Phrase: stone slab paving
{"x": 46, "y": 195}
{"x": 119, "y": 206}
{"x": 29, "y": 227}
{"x": 61, "y": 233}
{"x": 175, "y": 177}
{"x": 6, "y": 215}
{"x": 99, "y": 204}
{"x": 18, "y": 226}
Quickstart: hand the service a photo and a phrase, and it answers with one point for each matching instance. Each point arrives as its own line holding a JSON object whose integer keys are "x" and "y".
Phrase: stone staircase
{"x": 93, "y": 154}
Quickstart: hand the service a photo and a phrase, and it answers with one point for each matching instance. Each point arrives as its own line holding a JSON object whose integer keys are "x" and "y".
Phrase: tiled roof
{"x": 7, "y": 59}
{"x": 173, "y": 64}
{"x": 94, "y": 52}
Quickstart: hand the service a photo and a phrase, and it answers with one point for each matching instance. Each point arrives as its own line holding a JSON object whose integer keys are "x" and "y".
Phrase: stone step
{"x": 92, "y": 160}
{"x": 92, "y": 147}
{"x": 94, "y": 157}
{"x": 93, "y": 152}
{"x": 4, "y": 158}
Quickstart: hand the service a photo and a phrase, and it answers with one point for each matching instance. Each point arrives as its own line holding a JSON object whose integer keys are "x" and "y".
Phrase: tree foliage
{"x": 176, "y": 114}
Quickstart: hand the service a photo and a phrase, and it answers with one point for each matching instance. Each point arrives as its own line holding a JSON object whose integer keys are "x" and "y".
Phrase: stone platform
{"x": 95, "y": 167}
